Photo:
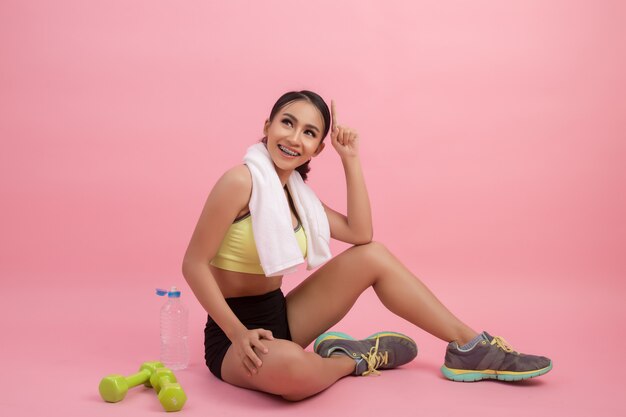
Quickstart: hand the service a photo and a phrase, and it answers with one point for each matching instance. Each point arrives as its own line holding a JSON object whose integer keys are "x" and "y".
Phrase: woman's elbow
{"x": 189, "y": 267}
{"x": 364, "y": 239}
{"x": 185, "y": 265}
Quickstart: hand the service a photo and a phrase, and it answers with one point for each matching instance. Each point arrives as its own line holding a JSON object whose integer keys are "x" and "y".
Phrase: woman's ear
{"x": 266, "y": 126}
{"x": 320, "y": 148}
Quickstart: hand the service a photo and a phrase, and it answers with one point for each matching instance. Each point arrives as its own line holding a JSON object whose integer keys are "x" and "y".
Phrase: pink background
{"x": 492, "y": 138}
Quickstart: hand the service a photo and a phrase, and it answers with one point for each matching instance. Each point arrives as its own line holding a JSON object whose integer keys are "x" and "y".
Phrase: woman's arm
{"x": 220, "y": 209}
{"x": 356, "y": 227}
{"x": 229, "y": 195}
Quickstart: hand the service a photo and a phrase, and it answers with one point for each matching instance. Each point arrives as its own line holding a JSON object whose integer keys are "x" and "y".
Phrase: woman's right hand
{"x": 244, "y": 344}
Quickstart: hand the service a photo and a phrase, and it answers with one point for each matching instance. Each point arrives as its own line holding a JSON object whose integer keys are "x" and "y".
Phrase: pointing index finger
{"x": 333, "y": 114}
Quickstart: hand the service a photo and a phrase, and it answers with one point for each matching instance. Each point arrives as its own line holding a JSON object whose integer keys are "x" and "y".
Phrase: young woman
{"x": 255, "y": 337}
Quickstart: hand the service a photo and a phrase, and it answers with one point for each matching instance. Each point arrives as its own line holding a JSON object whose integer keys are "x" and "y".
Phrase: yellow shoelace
{"x": 497, "y": 340}
{"x": 375, "y": 359}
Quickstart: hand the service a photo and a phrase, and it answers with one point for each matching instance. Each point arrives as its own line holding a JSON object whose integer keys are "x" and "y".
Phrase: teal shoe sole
{"x": 461, "y": 375}
{"x": 331, "y": 335}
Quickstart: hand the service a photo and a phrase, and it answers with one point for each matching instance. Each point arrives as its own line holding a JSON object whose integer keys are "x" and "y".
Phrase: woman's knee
{"x": 285, "y": 371}
{"x": 376, "y": 246}
{"x": 293, "y": 366}
{"x": 373, "y": 253}
{"x": 371, "y": 248}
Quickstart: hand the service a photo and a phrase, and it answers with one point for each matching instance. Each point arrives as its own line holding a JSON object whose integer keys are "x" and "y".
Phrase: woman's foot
{"x": 492, "y": 358}
{"x": 384, "y": 350}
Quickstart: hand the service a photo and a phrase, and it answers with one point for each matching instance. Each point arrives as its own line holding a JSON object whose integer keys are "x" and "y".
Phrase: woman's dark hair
{"x": 312, "y": 98}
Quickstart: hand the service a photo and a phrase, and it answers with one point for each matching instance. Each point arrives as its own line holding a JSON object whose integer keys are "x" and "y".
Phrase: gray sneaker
{"x": 492, "y": 358}
{"x": 384, "y": 350}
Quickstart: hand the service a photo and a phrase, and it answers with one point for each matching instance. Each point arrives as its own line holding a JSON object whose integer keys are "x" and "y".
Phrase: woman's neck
{"x": 283, "y": 176}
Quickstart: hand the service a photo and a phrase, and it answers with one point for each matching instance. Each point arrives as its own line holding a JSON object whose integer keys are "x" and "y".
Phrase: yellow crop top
{"x": 238, "y": 249}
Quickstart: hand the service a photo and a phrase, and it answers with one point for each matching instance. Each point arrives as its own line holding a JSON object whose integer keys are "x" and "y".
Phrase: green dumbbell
{"x": 113, "y": 388}
{"x": 171, "y": 395}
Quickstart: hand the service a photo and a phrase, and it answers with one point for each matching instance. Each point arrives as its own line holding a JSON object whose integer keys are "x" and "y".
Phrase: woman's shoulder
{"x": 237, "y": 177}
{"x": 236, "y": 184}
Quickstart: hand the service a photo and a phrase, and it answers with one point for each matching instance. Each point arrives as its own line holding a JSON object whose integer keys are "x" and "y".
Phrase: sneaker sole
{"x": 331, "y": 335}
{"x": 463, "y": 375}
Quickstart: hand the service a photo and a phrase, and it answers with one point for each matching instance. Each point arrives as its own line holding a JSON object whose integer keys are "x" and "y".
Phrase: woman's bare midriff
{"x": 239, "y": 284}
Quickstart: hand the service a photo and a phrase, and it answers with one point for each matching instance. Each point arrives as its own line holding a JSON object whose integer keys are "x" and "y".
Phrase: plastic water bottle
{"x": 174, "y": 317}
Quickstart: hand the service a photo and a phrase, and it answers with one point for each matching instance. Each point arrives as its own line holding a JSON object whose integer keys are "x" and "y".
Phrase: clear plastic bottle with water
{"x": 174, "y": 317}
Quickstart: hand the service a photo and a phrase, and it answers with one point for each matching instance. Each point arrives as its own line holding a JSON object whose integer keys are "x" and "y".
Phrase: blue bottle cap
{"x": 174, "y": 293}
{"x": 161, "y": 291}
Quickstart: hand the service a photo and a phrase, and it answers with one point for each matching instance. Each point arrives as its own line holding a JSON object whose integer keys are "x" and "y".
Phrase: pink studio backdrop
{"x": 492, "y": 137}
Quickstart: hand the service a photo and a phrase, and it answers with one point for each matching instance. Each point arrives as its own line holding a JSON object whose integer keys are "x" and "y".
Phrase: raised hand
{"x": 344, "y": 140}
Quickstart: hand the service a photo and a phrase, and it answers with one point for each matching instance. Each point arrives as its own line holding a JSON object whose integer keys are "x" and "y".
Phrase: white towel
{"x": 271, "y": 218}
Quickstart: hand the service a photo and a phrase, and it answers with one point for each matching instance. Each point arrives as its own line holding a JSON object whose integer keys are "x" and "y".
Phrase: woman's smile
{"x": 288, "y": 152}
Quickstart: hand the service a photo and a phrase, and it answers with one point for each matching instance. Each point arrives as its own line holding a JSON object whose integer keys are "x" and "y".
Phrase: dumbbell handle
{"x": 138, "y": 378}
{"x": 162, "y": 380}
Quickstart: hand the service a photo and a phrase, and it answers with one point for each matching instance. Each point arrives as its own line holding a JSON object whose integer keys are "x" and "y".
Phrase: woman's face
{"x": 294, "y": 135}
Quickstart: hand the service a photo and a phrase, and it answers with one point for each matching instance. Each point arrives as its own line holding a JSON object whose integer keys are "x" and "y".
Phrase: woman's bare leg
{"x": 295, "y": 374}
{"x": 327, "y": 295}
{"x": 287, "y": 370}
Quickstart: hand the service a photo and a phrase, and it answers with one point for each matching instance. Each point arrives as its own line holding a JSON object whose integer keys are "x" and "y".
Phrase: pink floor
{"x": 66, "y": 339}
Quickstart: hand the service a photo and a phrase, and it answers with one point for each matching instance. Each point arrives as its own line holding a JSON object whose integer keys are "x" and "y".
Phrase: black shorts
{"x": 267, "y": 311}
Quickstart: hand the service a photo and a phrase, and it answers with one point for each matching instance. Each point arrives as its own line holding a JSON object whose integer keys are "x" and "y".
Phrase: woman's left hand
{"x": 344, "y": 140}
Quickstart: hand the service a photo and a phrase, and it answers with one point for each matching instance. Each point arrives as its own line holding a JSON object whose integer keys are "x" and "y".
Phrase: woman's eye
{"x": 288, "y": 122}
